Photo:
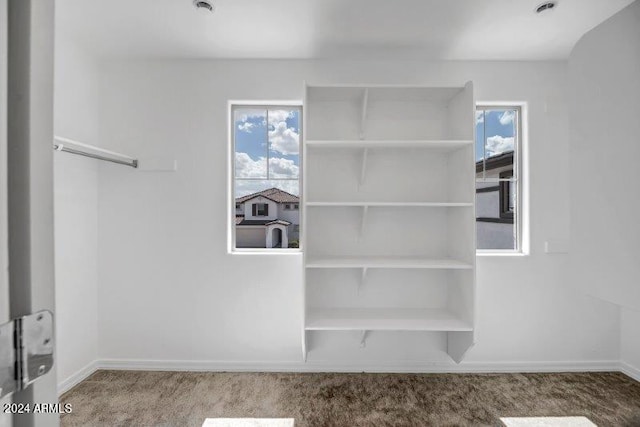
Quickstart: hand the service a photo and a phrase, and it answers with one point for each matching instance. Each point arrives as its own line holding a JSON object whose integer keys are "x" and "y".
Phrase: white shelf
{"x": 385, "y": 262}
{"x": 392, "y": 204}
{"x": 376, "y": 154}
{"x": 441, "y": 144}
{"x": 384, "y": 319}
{"x": 397, "y": 86}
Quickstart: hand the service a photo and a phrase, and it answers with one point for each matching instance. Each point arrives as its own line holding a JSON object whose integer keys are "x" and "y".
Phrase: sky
{"x": 498, "y": 126}
{"x": 267, "y": 145}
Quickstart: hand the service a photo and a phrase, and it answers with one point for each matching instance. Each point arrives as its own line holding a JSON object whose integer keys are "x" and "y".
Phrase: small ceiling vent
{"x": 203, "y": 5}
{"x": 545, "y": 6}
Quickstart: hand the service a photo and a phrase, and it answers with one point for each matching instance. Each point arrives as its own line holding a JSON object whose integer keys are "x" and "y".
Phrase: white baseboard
{"x": 313, "y": 366}
{"x": 70, "y": 382}
{"x": 629, "y": 370}
{"x": 199, "y": 365}
{"x": 325, "y": 366}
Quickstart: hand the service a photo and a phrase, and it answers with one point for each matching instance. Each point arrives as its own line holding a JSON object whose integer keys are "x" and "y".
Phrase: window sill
{"x": 490, "y": 253}
{"x": 495, "y": 220}
{"x": 258, "y": 251}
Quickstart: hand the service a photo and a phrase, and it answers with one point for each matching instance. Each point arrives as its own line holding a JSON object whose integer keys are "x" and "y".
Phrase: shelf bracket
{"x": 363, "y": 167}
{"x": 363, "y": 338}
{"x": 363, "y": 116}
{"x": 363, "y": 278}
{"x": 361, "y": 135}
{"x": 304, "y": 346}
{"x": 363, "y": 220}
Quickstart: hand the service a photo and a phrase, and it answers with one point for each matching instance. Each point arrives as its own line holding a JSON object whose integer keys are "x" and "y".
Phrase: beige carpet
{"x": 119, "y": 398}
{"x": 248, "y": 422}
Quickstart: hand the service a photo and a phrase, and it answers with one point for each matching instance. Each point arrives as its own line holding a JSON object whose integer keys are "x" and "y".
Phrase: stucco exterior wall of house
{"x": 248, "y": 210}
{"x": 487, "y": 204}
{"x": 494, "y": 235}
{"x": 491, "y": 235}
{"x": 291, "y": 215}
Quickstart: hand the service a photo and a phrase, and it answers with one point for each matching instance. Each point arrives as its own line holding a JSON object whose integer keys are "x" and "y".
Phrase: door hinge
{"x": 26, "y": 351}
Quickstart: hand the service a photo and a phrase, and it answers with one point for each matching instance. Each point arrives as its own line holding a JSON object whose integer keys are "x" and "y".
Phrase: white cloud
{"x": 246, "y": 167}
{"x": 499, "y": 144}
{"x": 282, "y": 168}
{"x": 279, "y": 116}
{"x": 284, "y": 140}
{"x": 249, "y": 118}
{"x": 275, "y": 116}
{"x": 507, "y": 117}
{"x": 245, "y": 127}
{"x": 479, "y": 117}
{"x": 244, "y": 188}
{"x": 244, "y": 114}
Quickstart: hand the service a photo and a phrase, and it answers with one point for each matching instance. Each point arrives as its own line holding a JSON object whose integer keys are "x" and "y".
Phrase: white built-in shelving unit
{"x": 389, "y": 198}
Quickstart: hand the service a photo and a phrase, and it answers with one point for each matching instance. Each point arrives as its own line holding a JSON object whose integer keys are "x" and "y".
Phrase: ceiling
{"x": 400, "y": 29}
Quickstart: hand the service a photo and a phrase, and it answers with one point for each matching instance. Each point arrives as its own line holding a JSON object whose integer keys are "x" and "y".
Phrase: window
{"x": 260, "y": 209}
{"x": 238, "y": 206}
{"x": 266, "y": 172}
{"x": 498, "y": 181}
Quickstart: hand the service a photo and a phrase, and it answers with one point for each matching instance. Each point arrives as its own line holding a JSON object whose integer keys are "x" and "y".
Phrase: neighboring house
{"x": 495, "y": 202}
{"x": 267, "y": 219}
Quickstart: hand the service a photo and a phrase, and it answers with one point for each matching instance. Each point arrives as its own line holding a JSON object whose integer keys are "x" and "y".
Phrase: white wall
{"x": 76, "y": 216}
{"x": 605, "y": 102}
{"x": 630, "y": 343}
{"x": 169, "y": 291}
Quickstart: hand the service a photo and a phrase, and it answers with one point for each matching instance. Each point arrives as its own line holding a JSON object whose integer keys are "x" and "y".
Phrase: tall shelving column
{"x": 388, "y": 191}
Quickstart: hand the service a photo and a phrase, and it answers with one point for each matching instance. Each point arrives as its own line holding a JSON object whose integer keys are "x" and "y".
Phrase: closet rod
{"x": 60, "y": 144}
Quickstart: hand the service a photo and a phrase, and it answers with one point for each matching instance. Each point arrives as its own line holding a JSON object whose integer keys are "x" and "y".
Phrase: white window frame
{"x": 231, "y": 165}
{"x": 520, "y": 172}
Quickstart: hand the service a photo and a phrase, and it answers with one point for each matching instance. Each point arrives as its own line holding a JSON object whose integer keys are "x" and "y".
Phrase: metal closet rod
{"x": 59, "y": 144}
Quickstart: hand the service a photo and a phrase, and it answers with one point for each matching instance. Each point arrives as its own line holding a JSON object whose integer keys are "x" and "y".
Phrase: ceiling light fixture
{"x": 545, "y": 6}
{"x": 203, "y": 5}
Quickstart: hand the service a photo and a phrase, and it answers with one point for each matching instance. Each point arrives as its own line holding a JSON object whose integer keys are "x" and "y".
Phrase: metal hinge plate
{"x": 26, "y": 351}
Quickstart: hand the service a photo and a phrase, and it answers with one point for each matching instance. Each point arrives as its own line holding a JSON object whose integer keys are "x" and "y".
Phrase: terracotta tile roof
{"x": 274, "y": 194}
